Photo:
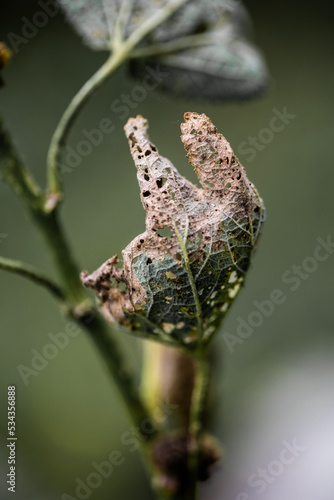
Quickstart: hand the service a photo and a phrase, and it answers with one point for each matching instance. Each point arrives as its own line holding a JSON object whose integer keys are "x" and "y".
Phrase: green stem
{"x": 124, "y": 13}
{"x": 152, "y": 22}
{"x": 16, "y": 174}
{"x": 73, "y": 295}
{"x": 54, "y": 236}
{"x": 28, "y": 271}
{"x": 196, "y": 424}
{"x": 121, "y": 52}
{"x": 161, "y": 49}
{"x": 60, "y": 135}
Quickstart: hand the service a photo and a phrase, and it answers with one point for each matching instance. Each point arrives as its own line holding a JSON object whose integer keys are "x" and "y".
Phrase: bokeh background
{"x": 278, "y": 385}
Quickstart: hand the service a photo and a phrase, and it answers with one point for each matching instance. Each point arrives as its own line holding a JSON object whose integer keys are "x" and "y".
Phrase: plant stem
{"x": 72, "y": 297}
{"x": 196, "y": 419}
{"x": 160, "y": 49}
{"x": 60, "y": 135}
{"x": 152, "y": 22}
{"x": 16, "y": 174}
{"x": 60, "y": 251}
{"x": 121, "y": 51}
{"x": 28, "y": 271}
{"x": 120, "y": 23}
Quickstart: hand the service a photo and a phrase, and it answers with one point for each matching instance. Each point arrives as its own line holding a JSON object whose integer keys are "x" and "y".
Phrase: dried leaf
{"x": 180, "y": 285}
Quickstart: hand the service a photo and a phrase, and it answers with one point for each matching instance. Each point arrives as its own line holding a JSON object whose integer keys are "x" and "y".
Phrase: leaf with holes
{"x": 183, "y": 273}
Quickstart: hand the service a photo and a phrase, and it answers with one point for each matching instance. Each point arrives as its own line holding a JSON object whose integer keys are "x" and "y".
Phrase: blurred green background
{"x": 278, "y": 385}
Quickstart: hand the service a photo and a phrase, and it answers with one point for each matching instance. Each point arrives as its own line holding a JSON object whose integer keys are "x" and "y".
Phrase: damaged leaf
{"x": 182, "y": 274}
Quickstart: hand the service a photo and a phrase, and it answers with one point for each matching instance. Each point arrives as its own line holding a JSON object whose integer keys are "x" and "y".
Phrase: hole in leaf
{"x": 146, "y": 193}
{"x": 147, "y": 152}
{"x": 193, "y": 131}
{"x": 146, "y": 177}
{"x": 228, "y": 185}
{"x": 171, "y": 275}
{"x": 212, "y": 149}
{"x": 132, "y": 139}
{"x": 165, "y": 232}
{"x": 178, "y": 256}
{"x": 139, "y": 149}
{"x": 122, "y": 287}
{"x": 149, "y": 261}
{"x": 161, "y": 182}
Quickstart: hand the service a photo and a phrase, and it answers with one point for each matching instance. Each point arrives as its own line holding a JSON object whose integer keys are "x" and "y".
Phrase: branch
{"x": 63, "y": 128}
{"x": 121, "y": 52}
{"x": 28, "y": 271}
{"x": 15, "y": 173}
{"x": 196, "y": 423}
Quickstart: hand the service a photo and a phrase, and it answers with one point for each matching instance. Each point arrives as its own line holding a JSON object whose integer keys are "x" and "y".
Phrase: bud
{"x": 181, "y": 275}
{"x": 5, "y": 55}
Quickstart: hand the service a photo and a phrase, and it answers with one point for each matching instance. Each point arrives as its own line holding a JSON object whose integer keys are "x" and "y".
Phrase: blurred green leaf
{"x": 209, "y": 55}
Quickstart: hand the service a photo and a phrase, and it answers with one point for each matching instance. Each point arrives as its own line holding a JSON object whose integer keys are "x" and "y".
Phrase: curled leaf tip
{"x": 181, "y": 275}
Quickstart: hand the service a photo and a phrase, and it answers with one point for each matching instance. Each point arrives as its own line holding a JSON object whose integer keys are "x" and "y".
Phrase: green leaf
{"x": 96, "y": 20}
{"x": 219, "y": 63}
{"x": 177, "y": 287}
{"x": 207, "y": 55}
{"x": 232, "y": 70}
